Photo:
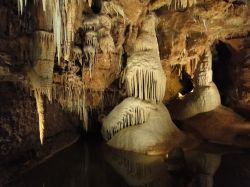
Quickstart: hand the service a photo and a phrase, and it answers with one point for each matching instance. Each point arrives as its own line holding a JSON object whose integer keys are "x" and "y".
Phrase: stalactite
{"x": 42, "y": 49}
{"x": 62, "y": 24}
{"x": 44, "y": 5}
{"x": 90, "y": 55}
{"x": 114, "y": 8}
{"x": 105, "y": 21}
{"x": 107, "y": 44}
{"x": 91, "y": 22}
{"x": 71, "y": 97}
{"x": 71, "y": 10}
{"x": 20, "y": 5}
{"x": 57, "y": 28}
{"x": 145, "y": 81}
{"x": 76, "y": 54}
{"x": 40, "y": 111}
{"x": 175, "y": 4}
{"x": 91, "y": 38}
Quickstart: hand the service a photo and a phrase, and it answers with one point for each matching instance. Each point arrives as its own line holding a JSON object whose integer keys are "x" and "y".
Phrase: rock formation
{"x": 141, "y": 123}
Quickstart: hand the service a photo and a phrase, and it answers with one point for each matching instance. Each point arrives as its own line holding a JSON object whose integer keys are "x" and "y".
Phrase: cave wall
{"x": 19, "y": 141}
{"x": 231, "y": 73}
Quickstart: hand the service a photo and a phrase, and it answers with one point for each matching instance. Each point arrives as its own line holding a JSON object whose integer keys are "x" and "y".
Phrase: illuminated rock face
{"x": 141, "y": 123}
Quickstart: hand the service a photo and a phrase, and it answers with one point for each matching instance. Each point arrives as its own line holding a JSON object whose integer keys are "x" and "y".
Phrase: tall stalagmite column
{"x": 141, "y": 123}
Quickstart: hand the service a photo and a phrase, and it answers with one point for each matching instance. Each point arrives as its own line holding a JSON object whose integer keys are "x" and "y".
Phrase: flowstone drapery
{"x": 141, "y": 123}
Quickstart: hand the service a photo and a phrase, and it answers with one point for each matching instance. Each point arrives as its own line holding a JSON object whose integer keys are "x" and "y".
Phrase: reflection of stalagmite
{"x": 135, "y": 124}
{"x": 138, "y": 169}
{"x": 204, "y": 165}
{"x": 199, "y": 165}
{"x": 205, "y": 96}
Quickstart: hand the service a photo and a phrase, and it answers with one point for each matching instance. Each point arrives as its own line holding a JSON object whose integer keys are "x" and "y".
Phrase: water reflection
{"x": 138, "y": 169}
{"x": 93, "y": 164}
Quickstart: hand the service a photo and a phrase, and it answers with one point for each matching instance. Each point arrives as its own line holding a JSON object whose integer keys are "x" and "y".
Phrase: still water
{"x": 93, "y": 164}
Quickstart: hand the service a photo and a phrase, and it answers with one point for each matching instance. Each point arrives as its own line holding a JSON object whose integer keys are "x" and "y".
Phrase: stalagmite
{"x": 144, "y": 125}
{"x": 205, "y": 96}
{"x": 144, "y": 77}
{"x": 141, "y": 123}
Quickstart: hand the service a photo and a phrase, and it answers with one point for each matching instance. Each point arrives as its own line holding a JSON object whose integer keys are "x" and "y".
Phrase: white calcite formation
{"x": 144, "y": 77}
{"x": 141, "y": 122}
{"x": 205, "y": 96}
{"x": 96, "y": 35}
{"x": 136, "y": 125}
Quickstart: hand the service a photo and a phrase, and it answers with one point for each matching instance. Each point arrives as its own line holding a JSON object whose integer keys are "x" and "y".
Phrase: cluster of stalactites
{"x": 146, "y": 84}
{"x": 72, "y": 99}
{"x": 43, "y": 53}
{"x": 203, "y": 72}
{"x": 63, "y": 16}
{"x": 144, "y": 76}
{"x": 172, "y": 4}
{"x": 130, "y": 112}
{"x": 90, "y": 25}
{"x": 97, "y": 35}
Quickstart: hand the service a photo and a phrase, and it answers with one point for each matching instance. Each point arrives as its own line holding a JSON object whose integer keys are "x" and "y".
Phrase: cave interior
{"x": 125, "y": 93}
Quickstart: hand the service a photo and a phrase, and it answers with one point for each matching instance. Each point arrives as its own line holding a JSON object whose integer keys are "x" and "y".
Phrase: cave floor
{"x": 91, "y": 163}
